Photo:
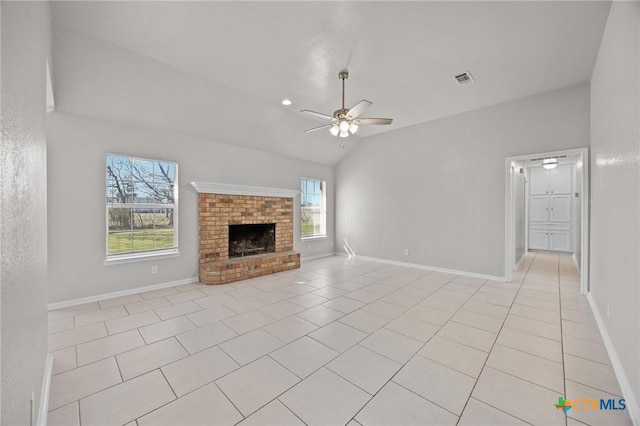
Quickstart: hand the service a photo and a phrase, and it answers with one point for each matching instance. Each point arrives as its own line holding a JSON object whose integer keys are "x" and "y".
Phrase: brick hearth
{"x": 218, "y": 211}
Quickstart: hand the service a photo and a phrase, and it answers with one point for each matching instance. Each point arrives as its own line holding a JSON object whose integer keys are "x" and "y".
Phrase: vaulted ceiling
{"x": 219, "y": 70}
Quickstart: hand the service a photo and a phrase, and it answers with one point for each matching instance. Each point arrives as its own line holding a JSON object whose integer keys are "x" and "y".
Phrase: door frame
{"x": 510, "y": 249}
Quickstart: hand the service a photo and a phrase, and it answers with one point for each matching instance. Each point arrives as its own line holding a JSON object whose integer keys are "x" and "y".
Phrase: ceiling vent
{"x": 463, "y": 78}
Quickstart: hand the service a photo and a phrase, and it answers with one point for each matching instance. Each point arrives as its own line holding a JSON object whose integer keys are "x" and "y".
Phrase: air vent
{"x": 547, "y": 158}
{"x": 464, "y": 78}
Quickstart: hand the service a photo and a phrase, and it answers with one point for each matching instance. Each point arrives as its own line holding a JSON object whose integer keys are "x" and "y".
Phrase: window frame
{"x": 153, "y": 254}
{"x": 323, "y": 189}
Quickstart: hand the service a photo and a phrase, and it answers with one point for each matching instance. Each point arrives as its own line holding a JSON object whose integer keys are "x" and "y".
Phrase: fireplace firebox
{"x": 253, "y": 239}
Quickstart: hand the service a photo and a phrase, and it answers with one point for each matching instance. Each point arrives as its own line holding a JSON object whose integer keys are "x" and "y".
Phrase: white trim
{"x": 317, "y": 256}
{"x": 509, "y": 237}
{"x": 314, "y": 237}
{"x": 44, "y": 393}
{"x": 223, "y": 188}
{"x": 141, "y": 257}
{"x": 575, "y": 261}
{"x": 584, "y": 243}
{"x": 517, "y": 265}
{"x": 105, "y": 296}
{"x": 432, "y": 268}
{"x": 625, "y": 386}
{"x": 51, "y": 104}
{"x": 584, "y": 223}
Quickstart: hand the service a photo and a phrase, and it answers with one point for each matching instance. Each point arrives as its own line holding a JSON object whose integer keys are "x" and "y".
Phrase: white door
{"x": 538, "y": 181}
{"x": 560, "y": 208}
{"x": 538, "y": 240}
{"x": 560, "y": 241}
{"x": 538, "y": 208}
{"x": 560, "y": 179}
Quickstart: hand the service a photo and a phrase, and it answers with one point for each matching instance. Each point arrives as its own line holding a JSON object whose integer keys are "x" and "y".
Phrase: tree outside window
{"x": 313, "y": 212}
{"x": 141, "y": 205}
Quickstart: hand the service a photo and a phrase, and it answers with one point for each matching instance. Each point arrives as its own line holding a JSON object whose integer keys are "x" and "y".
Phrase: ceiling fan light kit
{"x": 345, "y": 122}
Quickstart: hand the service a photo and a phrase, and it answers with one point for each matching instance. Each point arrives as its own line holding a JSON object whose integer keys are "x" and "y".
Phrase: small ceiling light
{"x": 286, "y": 102}
{"x": 549, "y": 163}
{"x": 353, "y": 128}
{"x": 344, "y": 125}
{"x": 335, "y": 130}
{"x": 344, "y": 133}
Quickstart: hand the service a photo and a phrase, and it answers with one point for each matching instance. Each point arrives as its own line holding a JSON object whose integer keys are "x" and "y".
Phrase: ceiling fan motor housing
{"x": 340, "y": 113}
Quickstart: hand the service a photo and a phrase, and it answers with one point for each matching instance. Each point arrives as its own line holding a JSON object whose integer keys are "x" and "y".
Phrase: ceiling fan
{"x": 344, "y": 121}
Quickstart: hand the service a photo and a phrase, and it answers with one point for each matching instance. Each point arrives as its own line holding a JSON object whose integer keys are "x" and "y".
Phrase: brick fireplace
{"x": 222, "y": 206}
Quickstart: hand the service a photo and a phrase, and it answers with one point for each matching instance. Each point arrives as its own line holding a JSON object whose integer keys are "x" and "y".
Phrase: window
{"x": 141, "y": 207}
{"x": 313, "y": 210}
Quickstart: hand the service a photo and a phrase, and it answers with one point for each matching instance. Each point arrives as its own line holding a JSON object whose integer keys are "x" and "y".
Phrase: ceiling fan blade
{"x": 359, "y": 108}
{"x": 367, "y": 121}
{"x": 326, "y": 126}
{"x": 316, "y": 115}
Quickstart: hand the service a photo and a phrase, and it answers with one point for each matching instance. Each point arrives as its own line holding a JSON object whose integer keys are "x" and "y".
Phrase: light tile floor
{"x": 337, "y": 342}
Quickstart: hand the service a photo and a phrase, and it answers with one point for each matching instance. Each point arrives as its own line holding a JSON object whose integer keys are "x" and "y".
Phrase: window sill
{"x": 315, "y": 237}
{"x": 140, "y": 257}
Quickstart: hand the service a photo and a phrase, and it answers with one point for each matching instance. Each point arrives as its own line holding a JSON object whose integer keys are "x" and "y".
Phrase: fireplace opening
{"x": 248, "y": 240}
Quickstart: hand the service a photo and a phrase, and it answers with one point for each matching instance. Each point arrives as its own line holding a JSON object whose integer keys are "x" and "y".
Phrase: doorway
{"x": 517, "y": 235}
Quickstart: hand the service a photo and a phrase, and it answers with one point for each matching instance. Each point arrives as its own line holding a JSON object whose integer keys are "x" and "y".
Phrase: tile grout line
{"x": 564, "y": 376}
{"x": 417, "y": 354}
{"x": 494, "y": 343}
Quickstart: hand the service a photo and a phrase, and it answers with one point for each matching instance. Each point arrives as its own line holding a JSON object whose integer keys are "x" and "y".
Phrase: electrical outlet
{"x": 154, "y": 269}
{"x": 406, "y": 252}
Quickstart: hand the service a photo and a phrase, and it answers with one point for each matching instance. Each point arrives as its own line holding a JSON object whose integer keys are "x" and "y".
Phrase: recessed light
{"x": 286, "y": 102}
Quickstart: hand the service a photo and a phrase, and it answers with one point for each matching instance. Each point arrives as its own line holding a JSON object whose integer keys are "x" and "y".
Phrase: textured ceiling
{"x": 219, "y": 70}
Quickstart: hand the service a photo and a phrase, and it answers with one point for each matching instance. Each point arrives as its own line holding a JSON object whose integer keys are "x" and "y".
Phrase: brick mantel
{"x": 218, "y": 210}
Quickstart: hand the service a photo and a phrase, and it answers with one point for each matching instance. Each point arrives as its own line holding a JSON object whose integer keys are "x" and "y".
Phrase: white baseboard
{"x": 99, "y": 297}
{"x": 433, "y": 268}
{"x": 575, "y": 261}
{"x": 517, "y": 265}
{"x": 43, "y": 410}
{"x": 625, "y": 386}
{"x": 317, "y": 256}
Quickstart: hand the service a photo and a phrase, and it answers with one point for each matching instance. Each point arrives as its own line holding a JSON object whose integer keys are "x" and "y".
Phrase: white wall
{"x": 438, "y": 188}
{"x": 26, "y": 40}
{"x": 615, "y": 186}
{"x": 76, "y": 161}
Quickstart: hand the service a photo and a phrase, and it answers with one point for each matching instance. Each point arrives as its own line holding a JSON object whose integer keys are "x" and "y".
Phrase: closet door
{"x": 560, "y": 208}
{"x": 538, "y": 239}
{"x": 560, "y": 180}
{"x": 538, "y": 208}
{"x": 560, "y": 241}
{"x": 539, "y": 179}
